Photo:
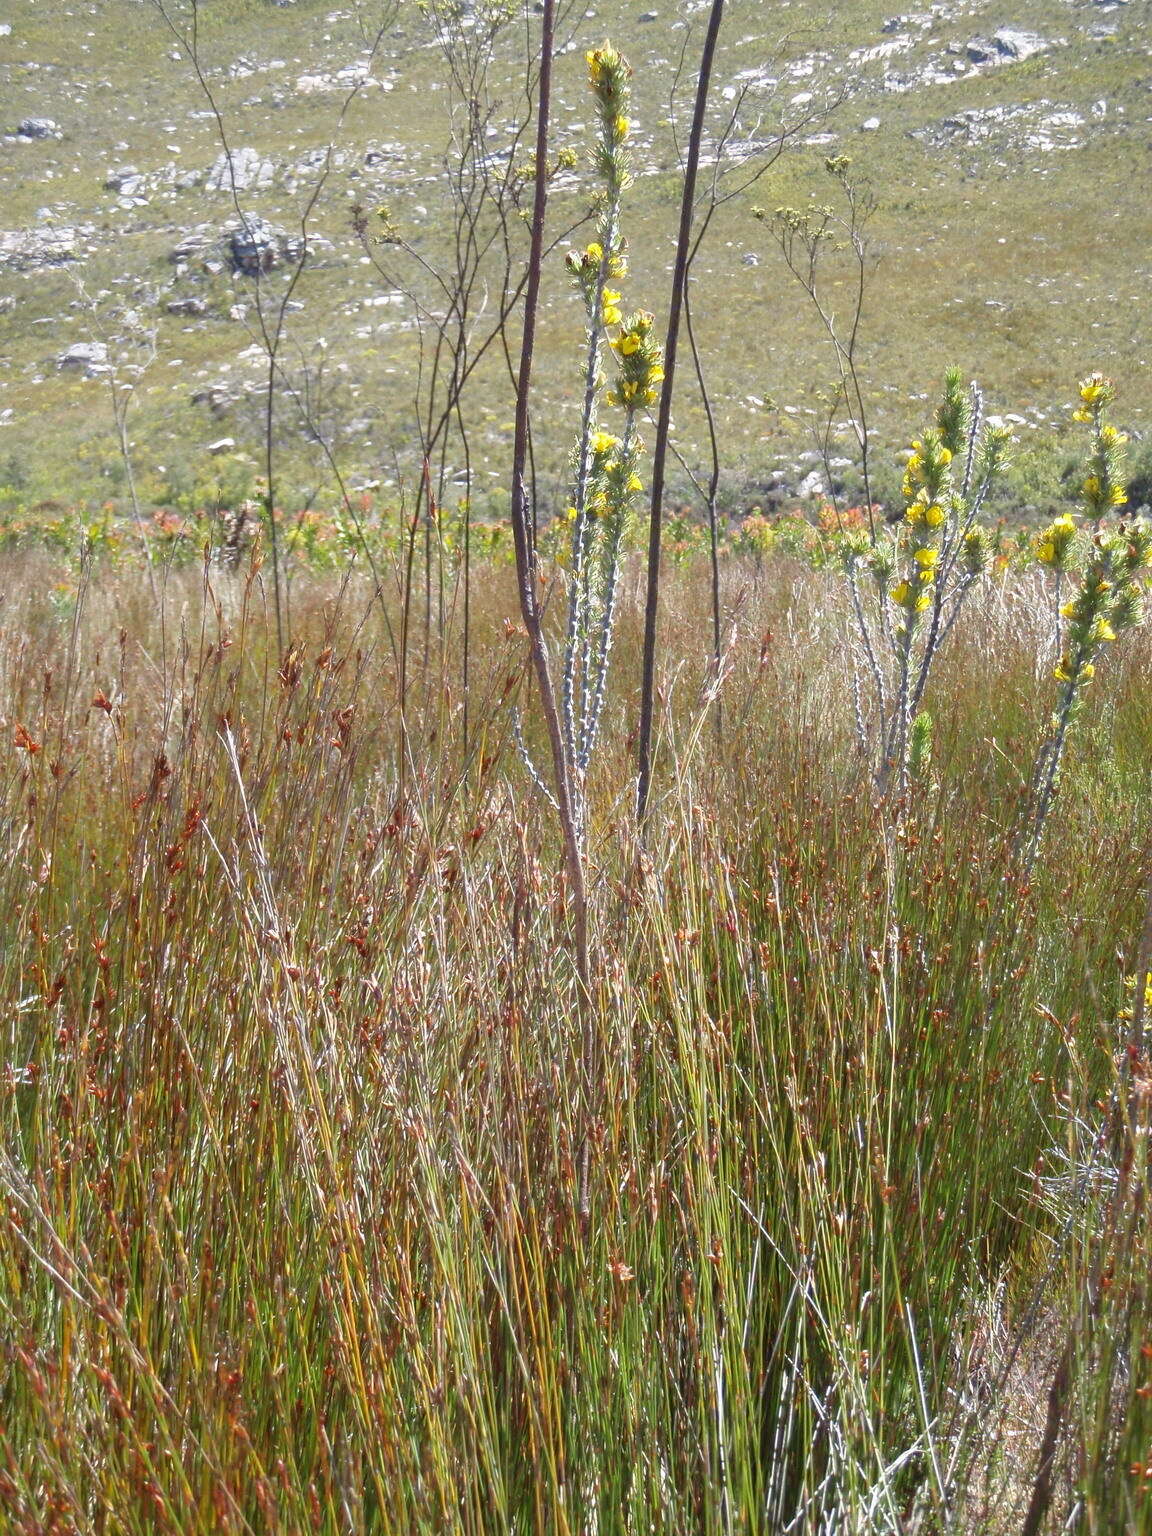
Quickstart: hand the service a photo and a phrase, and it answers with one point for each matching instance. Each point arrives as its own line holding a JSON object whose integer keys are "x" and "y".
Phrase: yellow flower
{"x": 1103, "y": 631}
{"x": 610, "y": 314}
{"x": 620, "y": 128}
{"x": 929, "y": 513}
{"x": 604, "y": 442}
{"x": 635, "y": 483}
{"x": 907, "y": 596}
{"x": 927, "y": 559}
{"x": 594, "y": 253}
{"x": 628, "y": 344}
{"x": 1082, "y": 414}
{"x": 1094, "y": 388}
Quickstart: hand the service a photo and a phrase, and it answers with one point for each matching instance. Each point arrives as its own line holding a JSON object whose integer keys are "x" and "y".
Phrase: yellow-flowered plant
{"x": 1101, "y": 489}
{"x": 606, "y": 476}
{"x": 1110, "y": 565}
{"x": 1055, "y": 546}
{"x": 908, "y": 585}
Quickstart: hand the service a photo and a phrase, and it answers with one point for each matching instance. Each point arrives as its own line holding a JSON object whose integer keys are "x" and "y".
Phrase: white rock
{"x": 91, "y": 356}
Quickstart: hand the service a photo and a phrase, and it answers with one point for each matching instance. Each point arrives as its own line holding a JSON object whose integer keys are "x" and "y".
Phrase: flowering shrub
{"x": 1108, "y": 564}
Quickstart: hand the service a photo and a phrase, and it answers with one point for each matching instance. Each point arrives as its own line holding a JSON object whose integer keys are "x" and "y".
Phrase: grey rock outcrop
{"x": 1018, "y": 45}
{"x": 32, "y": 250}
{"x": 257, "y": 246}
{"x": 38, "y": 128}
{"x": 90, "y": 356}
{"x": 1008, "y": 46}
{"x": 126, "y": 180}
{"x": 244, "y": 170}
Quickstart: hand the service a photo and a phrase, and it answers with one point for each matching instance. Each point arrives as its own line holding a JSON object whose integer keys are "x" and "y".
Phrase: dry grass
{"x": 313, "y": 1219}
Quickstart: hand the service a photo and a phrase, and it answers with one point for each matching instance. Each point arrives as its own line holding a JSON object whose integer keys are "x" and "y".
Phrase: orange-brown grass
{"x": 312, "y": 1221}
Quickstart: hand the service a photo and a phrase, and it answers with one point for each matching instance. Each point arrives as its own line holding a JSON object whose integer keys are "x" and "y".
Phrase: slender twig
{"x": 522, "y": 513}
{"x": 664, "y": 418}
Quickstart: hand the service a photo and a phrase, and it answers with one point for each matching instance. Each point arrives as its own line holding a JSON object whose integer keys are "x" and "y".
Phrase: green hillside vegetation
{"x": 1017, "y": 255}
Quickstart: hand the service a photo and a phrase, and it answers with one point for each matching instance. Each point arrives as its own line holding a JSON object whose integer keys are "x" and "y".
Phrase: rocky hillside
{"x": 156, "y": 211}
